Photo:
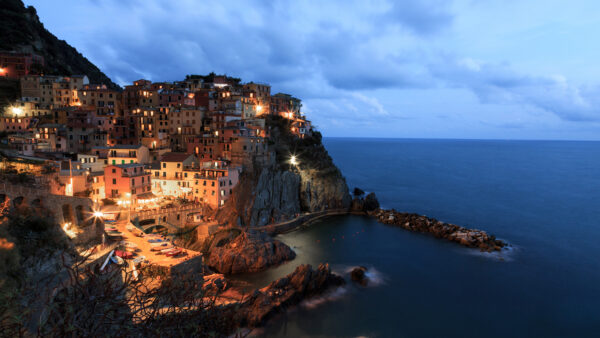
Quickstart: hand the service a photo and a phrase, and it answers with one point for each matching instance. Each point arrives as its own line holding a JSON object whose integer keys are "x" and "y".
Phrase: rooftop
{"x": 175, "y": 157}
{"x": 128, "y": 165}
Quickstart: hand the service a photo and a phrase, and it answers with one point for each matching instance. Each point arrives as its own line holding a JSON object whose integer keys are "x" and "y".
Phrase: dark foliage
{"x": 22, "y": 31}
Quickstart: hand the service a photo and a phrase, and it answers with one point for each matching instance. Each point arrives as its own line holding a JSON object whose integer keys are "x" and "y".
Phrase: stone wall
{"x": 63, "y": 209}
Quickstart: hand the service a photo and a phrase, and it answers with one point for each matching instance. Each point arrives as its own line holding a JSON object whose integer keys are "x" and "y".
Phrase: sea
{"x": 542, "y": 197}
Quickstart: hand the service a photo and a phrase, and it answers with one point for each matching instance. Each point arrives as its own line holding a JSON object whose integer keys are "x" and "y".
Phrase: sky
{"x": 482, "y": 69}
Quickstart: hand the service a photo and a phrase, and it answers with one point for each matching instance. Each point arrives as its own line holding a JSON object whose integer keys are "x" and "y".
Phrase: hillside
{"x": 281, "y": 191}
{"x": 22, "y": 31}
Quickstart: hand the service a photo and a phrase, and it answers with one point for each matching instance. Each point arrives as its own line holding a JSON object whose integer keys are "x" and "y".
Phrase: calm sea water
{"x": 542, "y": 197}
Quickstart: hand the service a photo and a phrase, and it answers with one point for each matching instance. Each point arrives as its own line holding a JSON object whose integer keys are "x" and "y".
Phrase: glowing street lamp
{"x": 98, "y": 214}
{"x": 293, "y": 160}
{"x": 16, "y": 110}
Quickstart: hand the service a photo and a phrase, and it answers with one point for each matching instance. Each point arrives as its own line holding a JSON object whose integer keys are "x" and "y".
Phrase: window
{"x": 164, "y": 165}
{"x": 164, "y": 174}
{"x": 133, "y": 181}
{"x": 114, "y": 181}
{"x": 178, "y": 165}
{"x": 114, "y": 171}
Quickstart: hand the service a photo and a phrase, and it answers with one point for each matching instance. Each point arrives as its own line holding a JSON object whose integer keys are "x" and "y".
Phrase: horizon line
{"x": 459, "y": 139}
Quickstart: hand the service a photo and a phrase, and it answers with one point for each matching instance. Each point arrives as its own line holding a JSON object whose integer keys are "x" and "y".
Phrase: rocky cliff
{"x": 248, "y": 252}
{"x": 22, "y": 31}
{"x": 303, "y": 283}
{"x": 280, "y": 191}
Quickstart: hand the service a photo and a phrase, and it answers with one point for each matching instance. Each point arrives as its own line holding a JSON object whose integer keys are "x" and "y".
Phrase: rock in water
{"x": 358, "y": 275}
{"x": 366, "y": 204}
{"x": 303, "y": 283}
{"x": 371, "y": 202}
{"x": 358, "y": 192}
{"x": 249, "y": 252}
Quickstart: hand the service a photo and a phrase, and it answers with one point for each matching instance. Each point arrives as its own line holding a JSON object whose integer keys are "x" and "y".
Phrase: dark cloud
{"x": 281, "y": 41}
{"x": 423, "y": 17}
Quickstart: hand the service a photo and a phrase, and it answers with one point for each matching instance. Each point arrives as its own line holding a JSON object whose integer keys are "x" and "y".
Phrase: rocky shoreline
{"x": 471, "y": 238}
{"x": 305, "y": 282}
{"x": 250, "y": 251}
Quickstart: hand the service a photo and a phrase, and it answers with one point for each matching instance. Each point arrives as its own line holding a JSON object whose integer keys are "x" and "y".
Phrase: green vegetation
{"x": 10, "y": 91}
{"x": 22, "y": 31}
{"x": 210, "y": 77}
{"x": 309, "y": 151}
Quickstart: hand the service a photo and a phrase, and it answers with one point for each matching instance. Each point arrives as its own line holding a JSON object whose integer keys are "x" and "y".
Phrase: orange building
{"x": 213, "y": 184}
{"x": 129, "y": 182}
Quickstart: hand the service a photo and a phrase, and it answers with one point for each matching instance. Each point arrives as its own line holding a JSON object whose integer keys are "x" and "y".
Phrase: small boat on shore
{"x": 167, "y": 249}
{"x": 158, "y": 246}
{"x": 123, "y": 254}
{"x": 117, "y": 260}
{"x": 174, "y": 253}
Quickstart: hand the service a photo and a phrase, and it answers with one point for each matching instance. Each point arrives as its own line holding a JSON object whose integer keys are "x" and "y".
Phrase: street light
{"x": 16, "y": 110}
{"x": 128, "y": 195}
{"x": 293, "y": 160}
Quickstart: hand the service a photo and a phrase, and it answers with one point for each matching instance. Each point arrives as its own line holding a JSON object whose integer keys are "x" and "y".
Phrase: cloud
{"x": 349, "y": 61}
{"x": 499, "y": 84}
{"x": 423, "y": 17}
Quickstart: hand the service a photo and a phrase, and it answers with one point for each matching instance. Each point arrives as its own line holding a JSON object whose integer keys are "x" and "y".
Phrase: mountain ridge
{"x": 22, "y": 31}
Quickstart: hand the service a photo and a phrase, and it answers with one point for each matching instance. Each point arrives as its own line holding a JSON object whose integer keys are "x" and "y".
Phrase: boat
{"x": 123, "y": 254}
{"x": 158, "y": 246}
{"x": 168, "y": 249}
{"x": 139, "y": 259}
{"x": 156, "y": 241}
{"x": 174, "y": 253}
{"x": 117, "y": 260}
{"x": 128, "y": 244}
{"x": 115, "y": 235}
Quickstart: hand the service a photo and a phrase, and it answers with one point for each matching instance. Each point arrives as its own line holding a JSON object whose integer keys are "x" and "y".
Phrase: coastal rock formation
{"x": 280, "y": 191}
{"x": 214, "y": 283}
{"x": 468, "y": 237}
{"x": 358, "y": 274}
{"x": 303, "y": 283}
{"x": 248, "y": 252}
{"x": 276, "y": 197}
{"x": 366, "y": 204}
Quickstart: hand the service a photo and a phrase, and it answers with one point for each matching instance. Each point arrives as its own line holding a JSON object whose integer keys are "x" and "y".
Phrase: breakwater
{"x": 471, "y": 238}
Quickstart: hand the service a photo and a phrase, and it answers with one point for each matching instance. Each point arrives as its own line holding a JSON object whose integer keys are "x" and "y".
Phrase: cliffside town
{"x": 176, "y": 177}
{"x": 158, "y": 144}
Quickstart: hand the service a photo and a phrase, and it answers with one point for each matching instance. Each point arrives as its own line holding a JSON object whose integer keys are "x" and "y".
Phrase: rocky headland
{"x": 249, "y": 251}
{"x": 279, "y": 191}
{"x": 303, "y": 283}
